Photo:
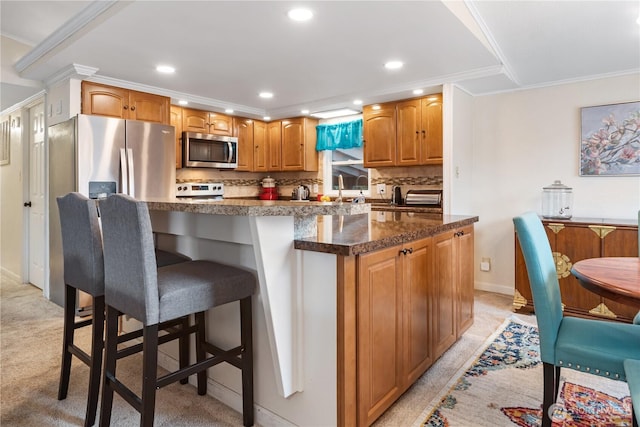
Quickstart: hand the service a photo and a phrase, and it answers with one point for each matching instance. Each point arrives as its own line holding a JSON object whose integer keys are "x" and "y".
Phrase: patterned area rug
{"x": 502, "y": 386}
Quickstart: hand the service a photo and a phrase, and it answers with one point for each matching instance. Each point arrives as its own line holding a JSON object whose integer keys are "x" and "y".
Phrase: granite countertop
{"x": 358, "y": 234}
{"x": 258, "y": 207}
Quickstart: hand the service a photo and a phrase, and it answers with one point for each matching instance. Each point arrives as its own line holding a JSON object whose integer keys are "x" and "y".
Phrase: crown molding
{"x": 67, "y": 31}
{"x": 25, "y": 103}
{"x": 73, "y": 70}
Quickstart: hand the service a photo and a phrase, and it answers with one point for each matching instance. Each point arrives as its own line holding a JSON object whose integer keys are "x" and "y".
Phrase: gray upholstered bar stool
{"x": 135, "y": 287}
{"x": 84, "y": 270}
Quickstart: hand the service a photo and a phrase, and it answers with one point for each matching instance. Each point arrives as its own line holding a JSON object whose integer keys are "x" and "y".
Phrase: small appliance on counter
{"x": 300, "y": 193}
{"x": 200, "y": 190}
{"x": 269, "y": 190}
{"x": 424, "y": 198}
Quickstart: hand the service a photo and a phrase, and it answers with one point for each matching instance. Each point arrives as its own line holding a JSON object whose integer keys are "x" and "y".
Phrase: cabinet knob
{"x": 126, "y": 107}
{"x": 133, "y": 108}
{"x": 27, "y": 204}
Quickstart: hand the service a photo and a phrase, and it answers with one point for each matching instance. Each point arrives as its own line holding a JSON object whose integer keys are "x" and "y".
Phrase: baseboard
{"x": 263, "y": 416}
{"x": 10, "y": 274}
{"x": 492, "y": 287}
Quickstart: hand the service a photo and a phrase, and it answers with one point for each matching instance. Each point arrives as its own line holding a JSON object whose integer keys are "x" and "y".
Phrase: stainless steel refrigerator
{"x": 97, "y": 156}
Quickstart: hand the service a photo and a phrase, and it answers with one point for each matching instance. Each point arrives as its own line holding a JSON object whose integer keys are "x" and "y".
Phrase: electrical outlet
{"x": 485, "y": 264}
{"x": 380, "y": 188}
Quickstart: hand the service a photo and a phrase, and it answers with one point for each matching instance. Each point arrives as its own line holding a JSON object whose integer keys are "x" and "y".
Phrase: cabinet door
{"x": 464, "y": 278}
{"x": 571, "y": 243}
{"x": 243, "y": 130}
{"x": 379, "y": 326}
{"x": 102, "y": 100}
{"x": 293, "y": 145}
{"x": 416, "y": 296}
{"x": 379, "y": 129}
{"x": 219, "y": 124}
{"x": 195, "y": 120}
{"x": 409, "y": 133}
{"x": 431, "y": 148}
{"x": 260, "y": 148}
{"x": 149, "y": 107}
{"x": 444, "y": 293}
{"x": 175, "y": 115}
{"x": 274, "y": 144}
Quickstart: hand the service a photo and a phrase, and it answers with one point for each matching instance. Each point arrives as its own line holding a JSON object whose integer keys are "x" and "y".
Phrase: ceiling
{"x": 226, "y": 52}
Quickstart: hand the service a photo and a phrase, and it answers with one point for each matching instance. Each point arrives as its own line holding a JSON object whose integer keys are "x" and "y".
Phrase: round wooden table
{"x": 616, "y": 278}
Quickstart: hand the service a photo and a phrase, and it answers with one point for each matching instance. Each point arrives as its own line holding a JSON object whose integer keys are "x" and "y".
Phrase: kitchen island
{"x": 312, "y": 301}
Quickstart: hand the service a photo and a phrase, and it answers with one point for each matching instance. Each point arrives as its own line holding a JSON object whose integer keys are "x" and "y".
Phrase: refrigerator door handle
{"x": 131, "y": 173}
{"x": 123, "y": 168}
{"x": 230, "y": 145}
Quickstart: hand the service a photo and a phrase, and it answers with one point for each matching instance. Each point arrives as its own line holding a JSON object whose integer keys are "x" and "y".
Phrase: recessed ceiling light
{"x": 300, "y": 14}
{"x": 357, "y": 102}
{"x": 166, "y": 69}
{"x": 229, "y": 110}
{"x": 183, "y": 102}
{"x": 393, "y": 65}
{"x": 418, "y": 91}
{"x": 265, "y": 95}
{"x": 304, "y": 111}
{"x": 266, "y": 118}
{"x": 334, "y": 113}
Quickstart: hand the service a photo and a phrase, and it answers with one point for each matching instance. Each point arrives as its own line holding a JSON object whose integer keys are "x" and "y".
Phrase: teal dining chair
{"x": 597, "y": 347}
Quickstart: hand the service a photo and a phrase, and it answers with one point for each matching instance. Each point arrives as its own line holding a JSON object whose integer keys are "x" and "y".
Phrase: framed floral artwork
{"x": 610, "y": 140}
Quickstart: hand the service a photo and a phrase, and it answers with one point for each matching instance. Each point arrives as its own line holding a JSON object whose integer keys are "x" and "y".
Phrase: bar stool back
{"x": 135, "y": 287}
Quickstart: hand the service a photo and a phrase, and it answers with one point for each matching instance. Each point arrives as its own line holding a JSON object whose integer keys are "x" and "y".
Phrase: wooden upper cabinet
{"x": 243, "y": 130}
{"x": 409, "y": 132}
{"x": 274, "y": 146}
{"x": 195, "y": 120}
{"x": 431, "y": 147}
{"x": 404, "y": 133}
{"x": 379, "y": 135}
{"x": 175, "y": 115}
{"x": 219, "y": 124}
{"x": 201, "y": 121}
{"x": 260, "y": 148}
{"x": 110, "y": 101}
{"x": 299, "y": 145}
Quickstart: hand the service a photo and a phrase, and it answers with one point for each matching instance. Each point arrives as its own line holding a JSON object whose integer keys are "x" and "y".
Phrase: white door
{"x": 36, "y": 196}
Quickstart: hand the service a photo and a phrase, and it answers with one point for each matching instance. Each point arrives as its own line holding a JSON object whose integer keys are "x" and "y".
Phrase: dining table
{"x": 616, "y": 278}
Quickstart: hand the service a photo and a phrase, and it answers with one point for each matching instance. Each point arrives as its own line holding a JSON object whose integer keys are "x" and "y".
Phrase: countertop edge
{"x": 374, "y": 245}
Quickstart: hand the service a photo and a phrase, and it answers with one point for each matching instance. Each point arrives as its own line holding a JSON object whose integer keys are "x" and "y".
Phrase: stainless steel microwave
{"x": 201, "y": 150}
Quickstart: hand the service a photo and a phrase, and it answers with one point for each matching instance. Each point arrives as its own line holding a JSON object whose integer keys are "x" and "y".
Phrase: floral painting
{"x": 610, "y": 140}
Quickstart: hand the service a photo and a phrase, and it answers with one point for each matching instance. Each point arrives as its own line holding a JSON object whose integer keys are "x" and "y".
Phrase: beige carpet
{"x": 30, "y": 346}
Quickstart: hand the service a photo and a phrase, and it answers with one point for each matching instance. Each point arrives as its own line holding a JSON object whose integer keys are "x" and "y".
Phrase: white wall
{"x": 525, "y": 140}
{"x": 11, "y": 200}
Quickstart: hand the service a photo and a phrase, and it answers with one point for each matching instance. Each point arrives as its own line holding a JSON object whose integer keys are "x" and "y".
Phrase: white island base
{"x": 294, "y": 314}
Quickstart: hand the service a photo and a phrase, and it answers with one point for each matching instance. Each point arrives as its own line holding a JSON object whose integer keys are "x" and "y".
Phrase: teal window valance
{"x": 339, "y": 135}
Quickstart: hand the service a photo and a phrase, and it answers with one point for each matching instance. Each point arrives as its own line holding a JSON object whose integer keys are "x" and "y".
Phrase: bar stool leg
{"x": 149, "y": 374}
{"x": 246, "y": 333}
{"x": 95, "y": 369}
{"x": 67, "y": 340}
{"x": 111, "y": 350}
{"x": 201, "y": 336}
{"x": 184, "y": 348}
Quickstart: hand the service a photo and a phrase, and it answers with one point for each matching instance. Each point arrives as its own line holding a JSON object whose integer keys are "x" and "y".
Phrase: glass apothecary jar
{"x": 557, "y": 201}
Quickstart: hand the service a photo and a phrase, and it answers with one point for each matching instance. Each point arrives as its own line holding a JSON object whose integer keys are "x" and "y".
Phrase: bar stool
{"x": 84, "y": 270}
{"x": 134, "y": 286}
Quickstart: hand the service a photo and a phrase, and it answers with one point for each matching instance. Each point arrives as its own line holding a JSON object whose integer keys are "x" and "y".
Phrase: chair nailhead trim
{"x": 560, "y": 362}
{"x": 577, "y": 366}
{"x": 569, "y": 364}
{"x": 607, "y": 373}
{"x": 588, "y": 369}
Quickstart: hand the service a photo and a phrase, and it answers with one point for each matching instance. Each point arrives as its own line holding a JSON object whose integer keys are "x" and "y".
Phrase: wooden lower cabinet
{"x": 571, "y": 241}
{"x": 413, "y": 301}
